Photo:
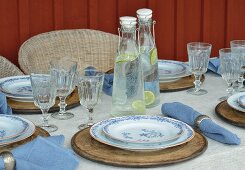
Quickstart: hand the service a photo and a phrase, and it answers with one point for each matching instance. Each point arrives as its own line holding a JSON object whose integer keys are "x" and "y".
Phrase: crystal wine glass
{"x": 89, "y": 89}
{"x": 44, "y": 93}
{"x": 64, "y": 71}
{"x": 238, "y": 46}
{"x": 229, "y": 69}
{"x": 198, "y": 55}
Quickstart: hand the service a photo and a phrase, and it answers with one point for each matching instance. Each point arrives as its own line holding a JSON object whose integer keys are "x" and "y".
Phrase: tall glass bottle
{"x": 128, "y": 85}
{"x": 148, "y": 54}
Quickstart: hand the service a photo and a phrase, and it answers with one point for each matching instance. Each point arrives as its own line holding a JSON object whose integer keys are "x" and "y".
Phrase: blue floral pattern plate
{"x": 170, "y": 70}
{"x": 17, "y": 87}
{"x": 144, "y": 129}
{"x": 233, "y": 101}
{"x": 96, "y": 131}
{"x": 30, "y": 130}
{"x": 11, "y": 126}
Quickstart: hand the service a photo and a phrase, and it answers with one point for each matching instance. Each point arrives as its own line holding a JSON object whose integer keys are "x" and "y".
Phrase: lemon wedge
{"x": 149, "y": 97}
{"x": 139, "y": 106}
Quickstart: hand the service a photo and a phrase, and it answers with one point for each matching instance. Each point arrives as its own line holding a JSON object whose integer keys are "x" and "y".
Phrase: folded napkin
{"x": 108, "y": 80}
{"x": 208, "y": 127}
{"x": 44, "y": 154}
{"x": 213, "y": 65}
{"x": 4, "y": 108}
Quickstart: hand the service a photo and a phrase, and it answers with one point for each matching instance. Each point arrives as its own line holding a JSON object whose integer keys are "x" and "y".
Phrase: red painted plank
{"x": 9, "y": 40}
{"x": 214, "y": 26}
{"x": 235, "y": 20}
{"x": 188, "y": 25}
{"x": 76, "y": 14}
{"x": 41, "y": 16}
{"x": 58, "y": 14}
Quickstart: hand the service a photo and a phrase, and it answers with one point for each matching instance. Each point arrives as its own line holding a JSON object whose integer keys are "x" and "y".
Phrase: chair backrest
{"x": 87, "y": 47}
{"x": 7, "y": 68}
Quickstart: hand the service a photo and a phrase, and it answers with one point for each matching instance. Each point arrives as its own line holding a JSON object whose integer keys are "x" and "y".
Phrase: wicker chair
{"x": 87, "y": 47}
{"x": 8, "y": 69}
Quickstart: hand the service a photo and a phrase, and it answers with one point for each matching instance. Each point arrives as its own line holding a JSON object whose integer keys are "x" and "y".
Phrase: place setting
{"x": 176, "y": 75}
{"x": 129, "y": 140}
{"x": 19, "y": 95}
{"x": 231, "y": 107}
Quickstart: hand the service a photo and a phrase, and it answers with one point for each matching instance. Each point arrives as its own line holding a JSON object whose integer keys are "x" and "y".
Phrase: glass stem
{"x": 90, "y": 118}
{"x": 62, "y": 105}
{"x": 230, "y": 89}
{"x": 197, "y": 82}
{"x": 240, "y": 81}
{"x": 45, "y": 117}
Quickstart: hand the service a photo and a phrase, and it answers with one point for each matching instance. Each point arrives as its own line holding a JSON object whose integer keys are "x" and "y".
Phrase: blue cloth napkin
{"x": 44, "y": 154}
{"x": 213, "y": 65}
{"x": 4, "y": 108}
{"x": 108, "y": 80}
{"x": 208, "y": 127}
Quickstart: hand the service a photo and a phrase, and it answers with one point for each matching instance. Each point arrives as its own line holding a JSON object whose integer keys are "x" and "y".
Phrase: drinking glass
{"x": 229, "y": 69}
{"x": 198, "y": 55}
{"x": 238, "y": 46}
{"x": 89, "y": 89}
{"x": 44, "y": 93}
{"x": 64, "y": 71}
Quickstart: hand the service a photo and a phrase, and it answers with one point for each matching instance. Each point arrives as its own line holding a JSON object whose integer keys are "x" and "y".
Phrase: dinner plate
{"x": 96, "y": 131}
{"x": 11, "y": 126}
{"x": 170, "y": 67}
{"x": 30, "y": 130}
{"x": 17, "y": 87}
{"x": 233, "y": 102}
{"x": 183, "y": 68}
{"x": 143, "y": 129}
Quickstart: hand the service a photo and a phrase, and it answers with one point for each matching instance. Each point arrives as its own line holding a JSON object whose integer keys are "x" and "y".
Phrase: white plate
{"x": 11, "y": 126}
{"x": 26, "y": 134}
{"x": 233, "y": 102}
{"x": 170, "y": 68}
{"x": 183, "y": 68}
{"x": 17, "y": 87}
{"x": 143, "y": 129}
{"x": 96, "y": 131}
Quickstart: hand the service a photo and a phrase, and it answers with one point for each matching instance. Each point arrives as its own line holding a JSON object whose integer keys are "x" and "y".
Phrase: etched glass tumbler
{"x": 198, "y": 56}
{"x": 63, "y": 70}
{"x": 229, "y": 69}
{"x": 44, "y": 94}
{"x": 238, "y": 47}
{"x": 89, "y": 89}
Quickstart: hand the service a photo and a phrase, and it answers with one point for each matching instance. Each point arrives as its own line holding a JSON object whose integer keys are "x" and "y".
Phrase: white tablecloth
{"x": 217, "y": 155}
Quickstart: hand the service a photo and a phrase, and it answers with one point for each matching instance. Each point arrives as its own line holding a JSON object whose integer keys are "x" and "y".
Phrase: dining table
{"x": 216, "y": 156}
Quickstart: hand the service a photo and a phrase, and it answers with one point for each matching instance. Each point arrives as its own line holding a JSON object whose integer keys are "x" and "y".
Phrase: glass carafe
{"x": 148, "y": 54}
{"x": 128, "y": 85}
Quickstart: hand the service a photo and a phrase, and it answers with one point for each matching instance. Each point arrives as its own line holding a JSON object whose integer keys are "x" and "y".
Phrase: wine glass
{"x": 44, "y": 94}
{"x": 89, "y": 89}
{"x": 229, "y": 69}
{"x": 238, "y": 46}
{"x": 198, "y": 55}
{"x": 64, "y": 71}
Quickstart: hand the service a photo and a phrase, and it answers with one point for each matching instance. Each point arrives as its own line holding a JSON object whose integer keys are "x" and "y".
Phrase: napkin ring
{"x": 199, "y": 120}
{"x": 8, "y": 159}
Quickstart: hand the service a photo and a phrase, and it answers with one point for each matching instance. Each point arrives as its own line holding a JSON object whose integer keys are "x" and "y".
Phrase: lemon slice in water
{"x": 149, "y": 97}
{"x": 138, "y": 106}
{"x": 125, "y": 58}
{"x": 153, "y": 56}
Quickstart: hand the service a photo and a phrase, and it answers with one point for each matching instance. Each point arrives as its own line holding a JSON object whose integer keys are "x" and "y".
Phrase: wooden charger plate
{"x": 29, "y": 108}
{"x": 84, "y": 145}
{"x": 230, "y": 115}
{"x": 38, "y": 132}
{"x": 181, "y": 84}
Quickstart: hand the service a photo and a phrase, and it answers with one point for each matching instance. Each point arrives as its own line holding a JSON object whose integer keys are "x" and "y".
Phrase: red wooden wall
{"x": 178, "y": 21}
